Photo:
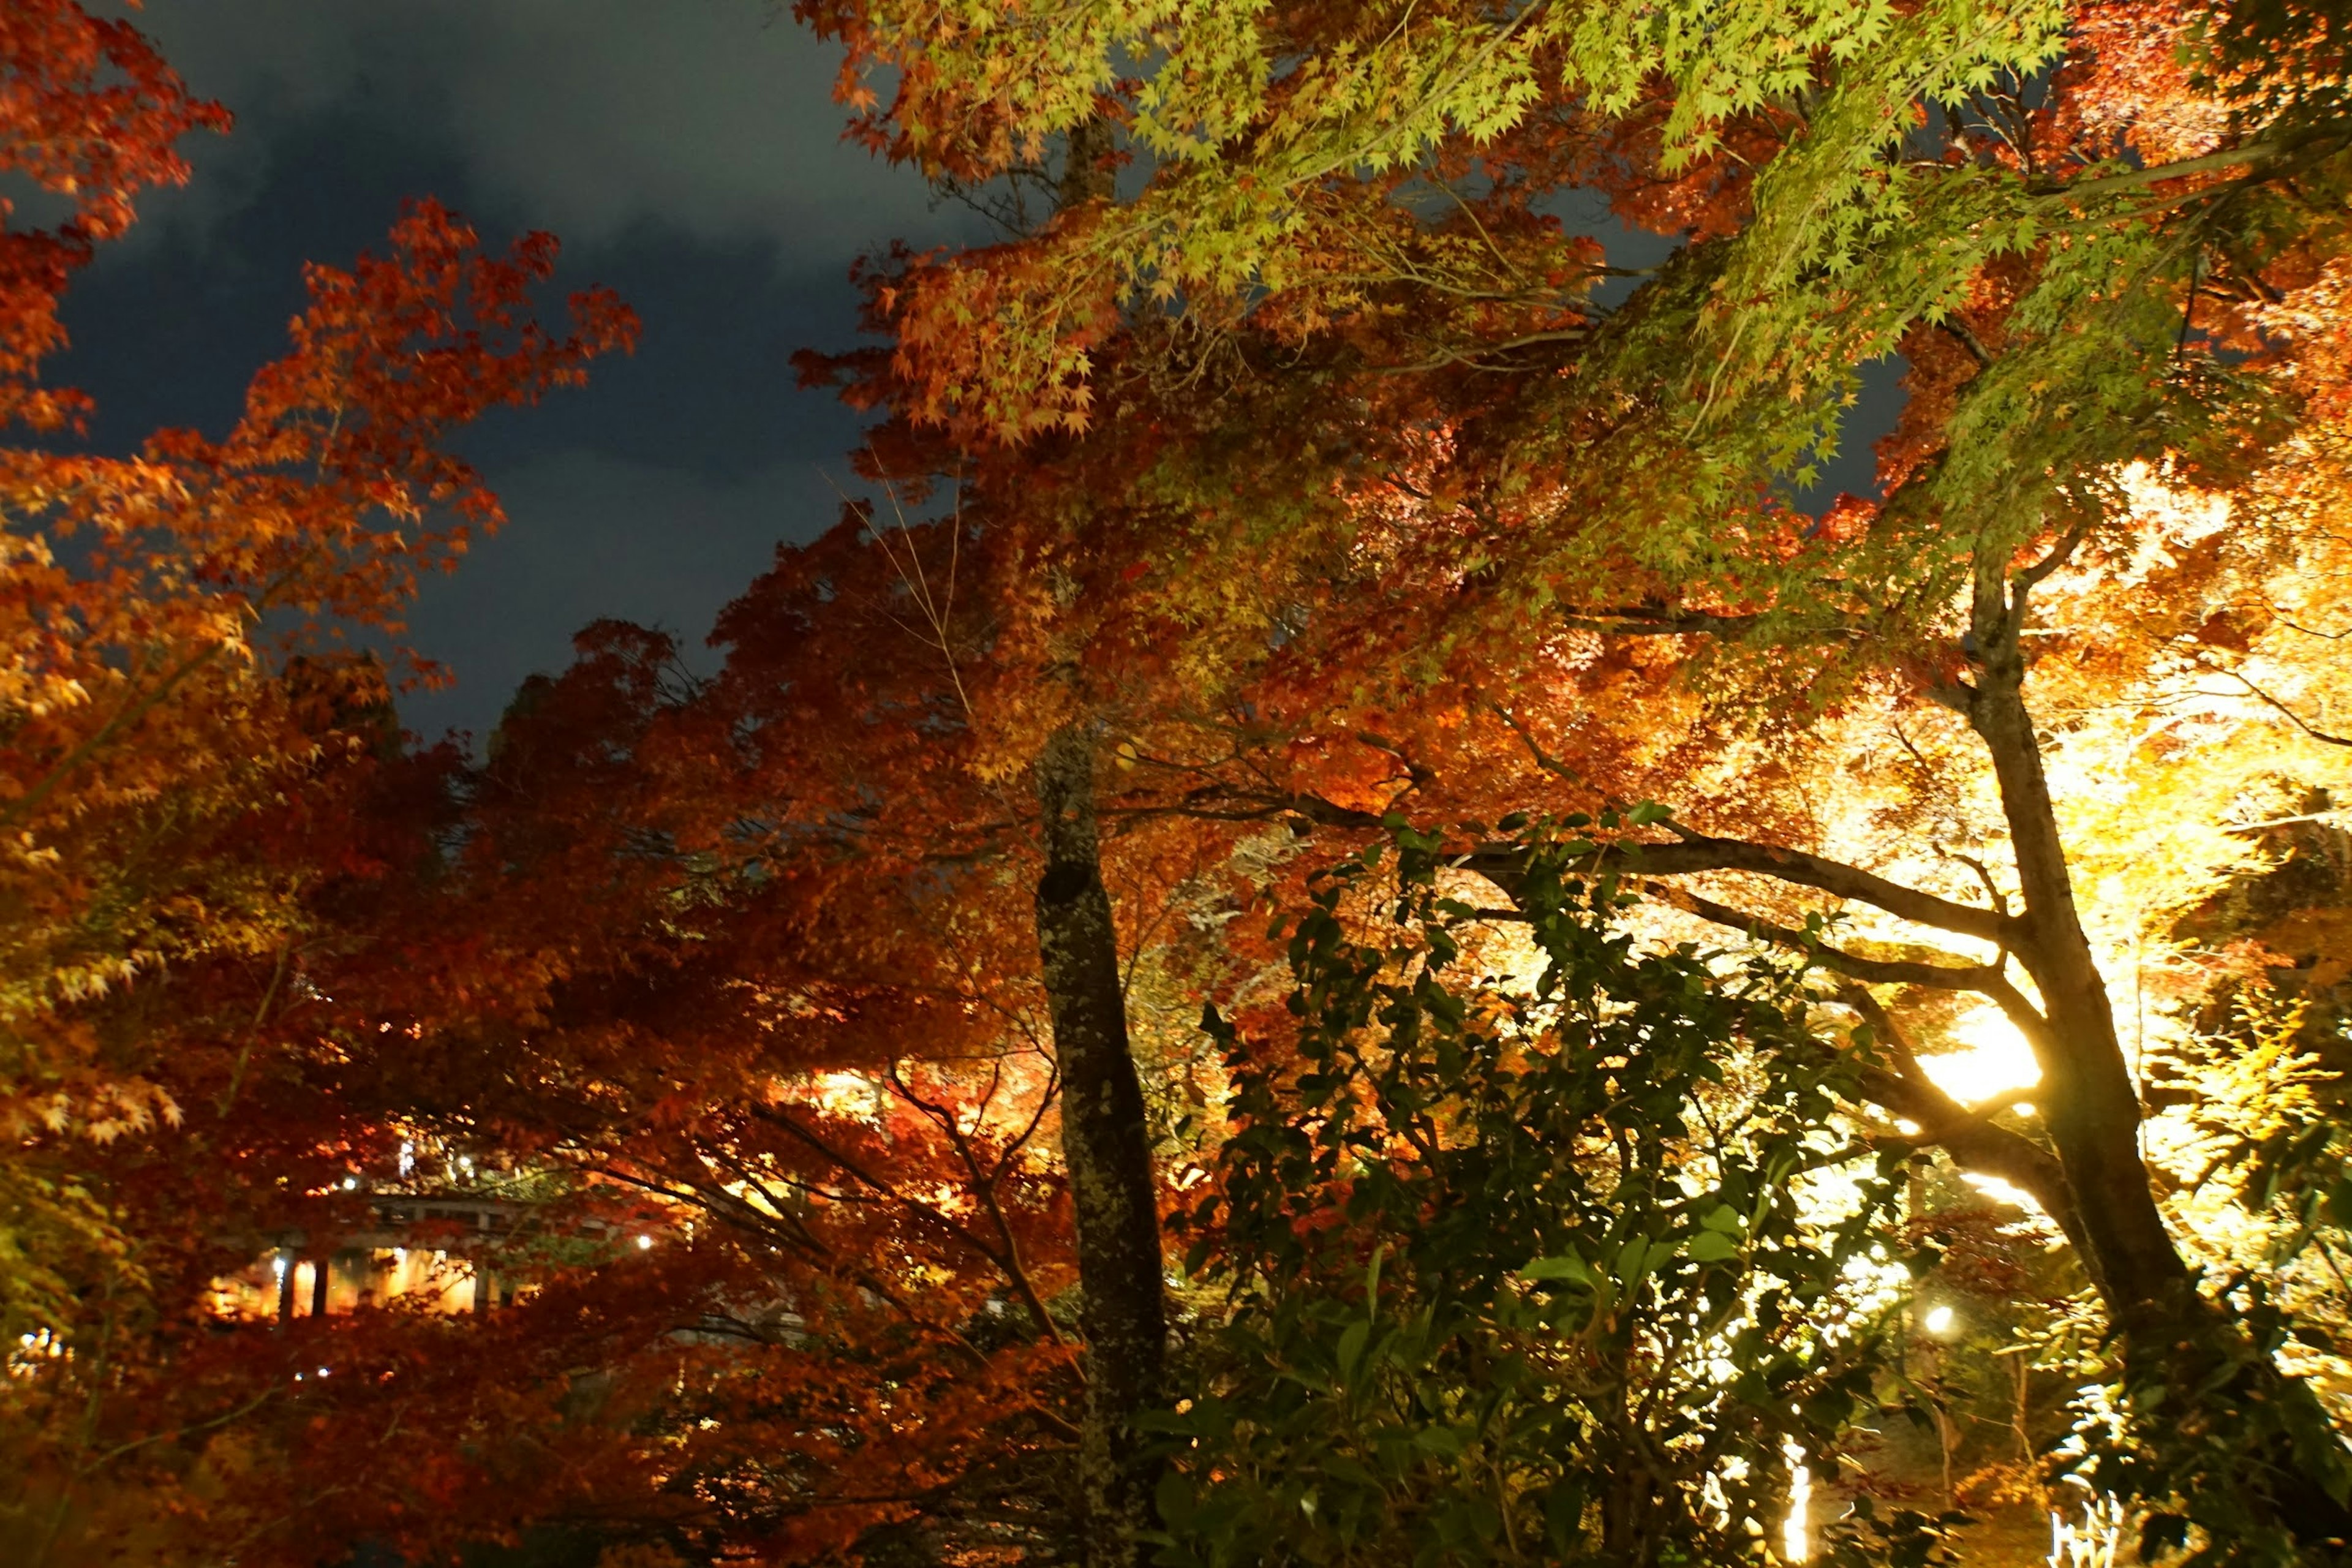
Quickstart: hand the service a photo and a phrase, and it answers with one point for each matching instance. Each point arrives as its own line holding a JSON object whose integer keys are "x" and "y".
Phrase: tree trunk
{"x": 2171, "y": 1338}
{"x": 1106, "y": 1146}
{"x": 2092, "y": 1106}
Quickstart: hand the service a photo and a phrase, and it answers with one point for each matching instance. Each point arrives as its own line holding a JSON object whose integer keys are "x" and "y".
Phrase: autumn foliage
{"x": 1559, "y": 869}
{"x": 189, "y": 752}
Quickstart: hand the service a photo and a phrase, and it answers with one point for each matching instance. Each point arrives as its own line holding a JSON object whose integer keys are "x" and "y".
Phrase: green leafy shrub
{"x": 1564, "y": 1270}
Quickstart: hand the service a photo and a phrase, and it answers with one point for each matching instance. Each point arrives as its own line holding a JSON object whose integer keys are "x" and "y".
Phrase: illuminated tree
{"x": 2107, "y": 239}
{"x": 186, "y": 751}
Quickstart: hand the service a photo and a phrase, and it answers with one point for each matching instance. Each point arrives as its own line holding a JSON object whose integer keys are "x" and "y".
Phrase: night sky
{"x": 688, "y": 153}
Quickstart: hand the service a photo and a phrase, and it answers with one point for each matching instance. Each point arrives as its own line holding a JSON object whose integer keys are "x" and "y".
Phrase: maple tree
{"x": 782, "y": 920}
{"x": 188, "y": 754}
{"x": 2102, "y": 235}
{"x": 1301, "y": 531}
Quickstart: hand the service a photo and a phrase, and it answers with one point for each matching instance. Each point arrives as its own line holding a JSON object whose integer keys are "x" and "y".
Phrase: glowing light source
{"x": 1939, "y": 1320}
{"x": 645, "y": 1244}
{"x": 2094, "y": 1543}
{"x": 842, "y": 1093}
{"x": 1993, "y": 1059}
{"x": 1797, "y": 1529}
{"x": 2001, "y": 1192}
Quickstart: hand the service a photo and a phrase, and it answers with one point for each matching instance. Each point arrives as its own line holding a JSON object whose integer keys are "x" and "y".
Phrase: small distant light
{"x": 645, "y": 1244}
{"x": 298, "y": 1377}
{"x": 277, "y": 1266}
{"x": 349, "y": 1182}
{"x": 1939, "y": 1320}
{"x": 322, "y": 1371}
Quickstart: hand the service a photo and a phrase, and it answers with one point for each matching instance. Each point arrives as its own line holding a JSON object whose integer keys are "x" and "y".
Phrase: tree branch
{"x": 1504, "y": 864}
{"x": 1982, "y": 978}
{"x": 2275, "y": 705}
{"x": 1972, "y": 1141}
{"x": 2251, "y": 155}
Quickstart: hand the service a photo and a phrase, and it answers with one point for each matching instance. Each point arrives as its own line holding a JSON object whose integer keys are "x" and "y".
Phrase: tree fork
{"x": 2172, "y": 1337}
{"x": 1106, "y": 1146}
{"x": 2093, "y": 1109}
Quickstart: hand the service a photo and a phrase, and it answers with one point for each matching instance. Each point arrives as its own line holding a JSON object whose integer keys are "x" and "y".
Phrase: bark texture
{"x": 2091, "y": 1107}
{"x": 1106, "y": 1146}
{"x": 2173, "y": 1338}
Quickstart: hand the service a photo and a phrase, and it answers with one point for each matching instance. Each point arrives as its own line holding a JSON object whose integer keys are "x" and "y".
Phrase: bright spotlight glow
{"x": 2001, "y": 1192}
{"x": 1938, "y": 1320}
{"x": 1797, "y": 1529}
{"x": 1993, "y": 1059}
{"x": 2094, "y": 1543}
{"x": 645, "y": 1244}
{"x": 842, "y": 1093}
{"x": 322, "y": 1371}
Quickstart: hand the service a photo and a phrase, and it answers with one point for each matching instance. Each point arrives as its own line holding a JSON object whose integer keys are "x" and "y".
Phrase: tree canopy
{"x": 887, "y": 1126}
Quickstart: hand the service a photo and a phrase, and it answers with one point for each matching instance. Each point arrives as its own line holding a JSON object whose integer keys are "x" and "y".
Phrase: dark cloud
{"x": 711, "y": 118}
{"x": 688, "y": 154}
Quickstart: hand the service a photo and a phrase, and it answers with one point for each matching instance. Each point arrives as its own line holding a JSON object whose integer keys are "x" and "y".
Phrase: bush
{"x": 1569, "y": 1271}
